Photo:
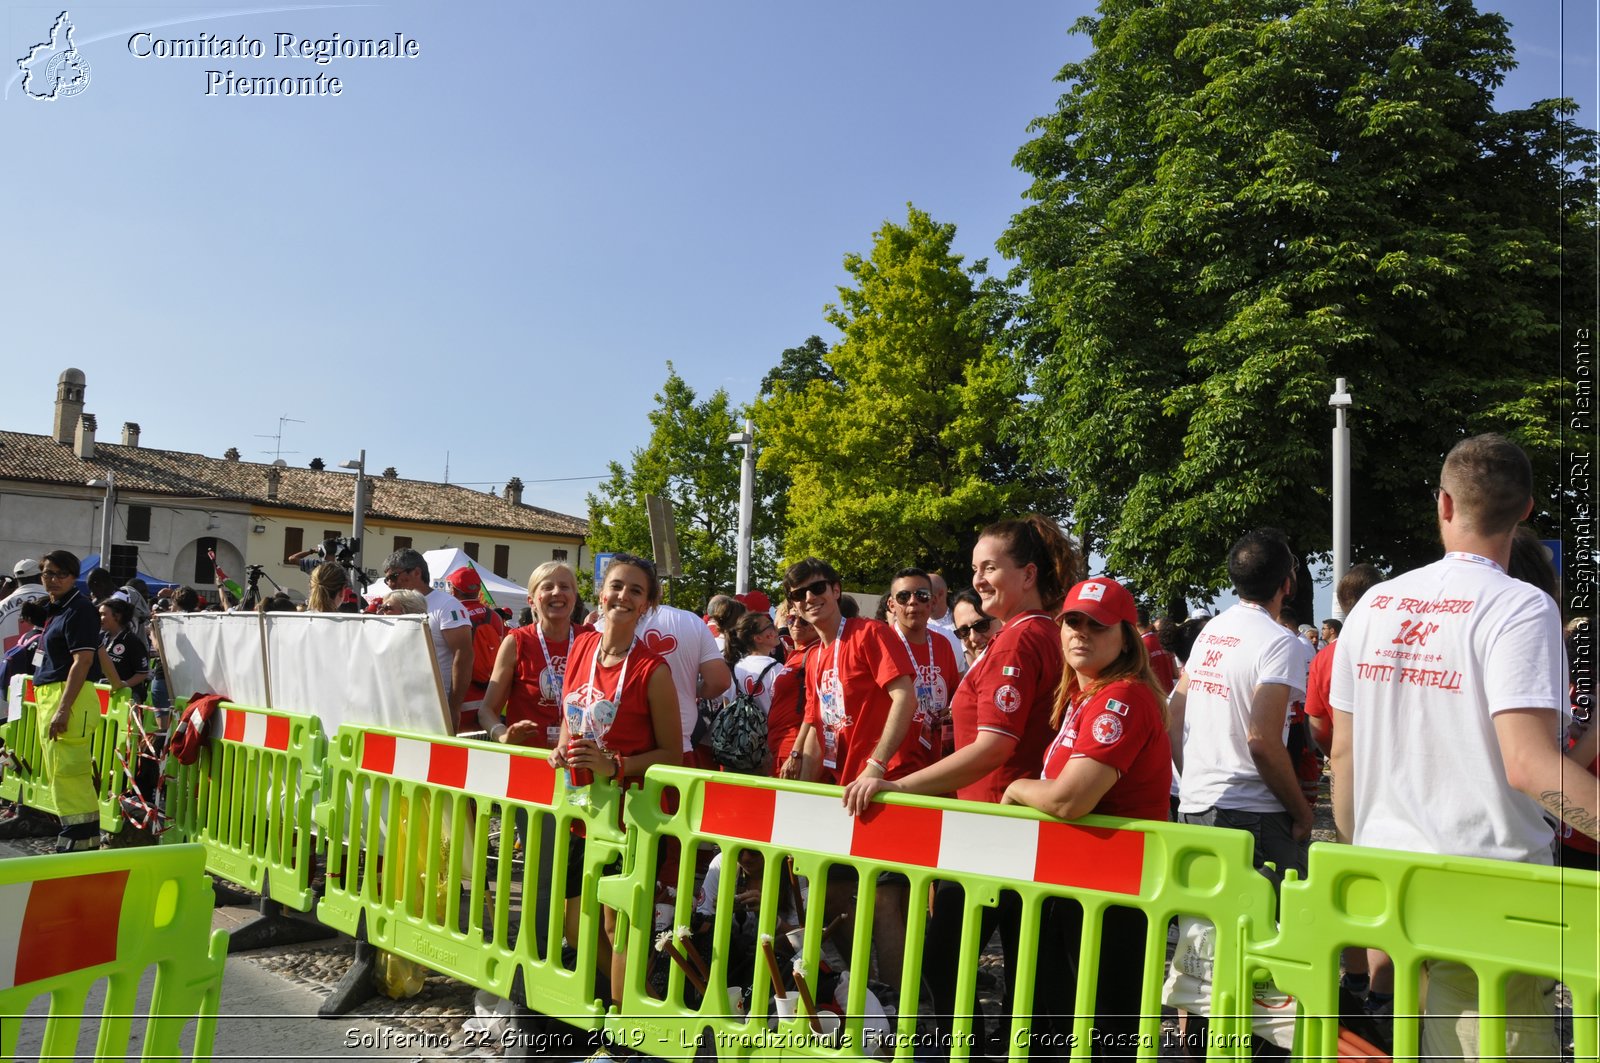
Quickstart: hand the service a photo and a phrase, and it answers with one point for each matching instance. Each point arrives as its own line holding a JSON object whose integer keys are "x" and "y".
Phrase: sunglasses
{"x": 796, "y": 621}
{"x": 390, "y": 577}
{"x": 977, "y": 627}
{"x": 1083, "y": 624}
{"x": 920, "y": 594}
{"x": 816, "y": 587}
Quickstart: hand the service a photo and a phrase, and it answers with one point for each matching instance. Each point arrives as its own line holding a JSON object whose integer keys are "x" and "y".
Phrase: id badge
{"x": 551, "y": 734}
{"x": 830, "y": 750}
{"x": 38, "y": 658}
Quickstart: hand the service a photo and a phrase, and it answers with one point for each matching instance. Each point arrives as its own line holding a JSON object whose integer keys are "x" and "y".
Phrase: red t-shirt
{"x": 1162, "y": 662}
{"x": 787, "y": 711}
{"x": 1010, "y": 690}
{"x": 936, "y": 678}
{"x": 631, "y": 730}
{"x": 1119, "y": 725}
{"x": 846, "y": 699}
{"x": 1318, "y": 683}
{"x": 535, "y": 696}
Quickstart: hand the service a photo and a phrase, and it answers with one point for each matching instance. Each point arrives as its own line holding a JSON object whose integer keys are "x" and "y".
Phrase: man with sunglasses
{"x": 448, "y": 624}
{"x": 910, "y": 605}
{"x": 860, "y": 696}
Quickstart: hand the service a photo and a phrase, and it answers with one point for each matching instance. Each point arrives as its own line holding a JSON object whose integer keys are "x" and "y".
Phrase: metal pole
{"x": 1341, "y": 401}
{"x": 747, "y": 490}
{"x": 358, "y": 525}
{"x": 107, "y": 511}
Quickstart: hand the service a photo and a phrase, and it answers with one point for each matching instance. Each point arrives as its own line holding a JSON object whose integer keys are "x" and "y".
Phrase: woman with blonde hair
{"x": 328, "y": 584}
{"x": 522, "y": 703}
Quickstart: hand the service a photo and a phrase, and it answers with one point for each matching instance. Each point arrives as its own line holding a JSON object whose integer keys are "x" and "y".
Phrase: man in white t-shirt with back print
{"x": 1449, "y": 686}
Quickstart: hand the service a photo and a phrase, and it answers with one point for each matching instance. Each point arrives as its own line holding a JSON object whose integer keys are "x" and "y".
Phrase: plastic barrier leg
{"x": 275, "y": 928}
{"x": 357, "y": 986}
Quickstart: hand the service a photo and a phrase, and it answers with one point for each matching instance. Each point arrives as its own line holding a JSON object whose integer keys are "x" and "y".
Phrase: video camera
{"x": 340, "y": 548}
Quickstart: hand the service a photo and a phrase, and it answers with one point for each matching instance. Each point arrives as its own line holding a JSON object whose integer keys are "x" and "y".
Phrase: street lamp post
{"x": 747, "y": 489}
{"x": 358, "y": 522}
{"x": 1341, "y": 402}
{"x": 107, "y": 509}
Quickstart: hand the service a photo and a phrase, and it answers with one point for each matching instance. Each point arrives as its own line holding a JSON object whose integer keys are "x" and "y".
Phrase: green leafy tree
{"x": 689, "y": 462}
{"x": 891, "y": 440}
{"x": 1237, "y": 201}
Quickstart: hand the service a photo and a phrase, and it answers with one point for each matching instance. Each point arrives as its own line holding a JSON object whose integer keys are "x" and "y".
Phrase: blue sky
{"x": 491, "y": 251}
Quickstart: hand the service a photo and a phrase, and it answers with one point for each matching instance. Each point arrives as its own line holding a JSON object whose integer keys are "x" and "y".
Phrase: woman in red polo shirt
{"x": 1111, "y": 758}
{"x": 1021, "y": 570}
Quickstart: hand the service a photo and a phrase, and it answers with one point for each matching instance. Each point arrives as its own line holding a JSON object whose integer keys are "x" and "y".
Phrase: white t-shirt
{"x": 747, "y": 679}
{"x": 1423, "y": 664}
{"x": 444, "y": 613}
{"x": 684, "y": 640}
{"x": 1240, "y": 650}
{"x": 11, "y": 612}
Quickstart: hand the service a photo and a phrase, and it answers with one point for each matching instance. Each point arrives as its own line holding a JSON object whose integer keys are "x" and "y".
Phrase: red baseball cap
{"x": 1102, "y": 600}
{"x": 465, "y": 580}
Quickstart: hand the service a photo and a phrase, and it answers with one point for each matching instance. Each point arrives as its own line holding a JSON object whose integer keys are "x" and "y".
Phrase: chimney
{"x": 231, "y": 454}
{"x": 514, "y": 490}
{"x": 273, "y": 475}
{"x": 130, "y": 434}
{"x": 391, "y": 473}
{"x": 317, "y": 464}
{"x": 84, "y": 444}
{"x": 69, "y": 403}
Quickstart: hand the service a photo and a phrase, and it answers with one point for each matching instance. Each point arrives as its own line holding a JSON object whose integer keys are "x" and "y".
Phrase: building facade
{"x": 170, "y": 510}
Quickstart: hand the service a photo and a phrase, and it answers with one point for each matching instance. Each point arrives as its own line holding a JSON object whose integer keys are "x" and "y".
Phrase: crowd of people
{"x": 1443, "y": 701}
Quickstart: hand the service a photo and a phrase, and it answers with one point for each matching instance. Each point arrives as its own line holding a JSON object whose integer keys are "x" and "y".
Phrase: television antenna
{"x": 277, "y": 450}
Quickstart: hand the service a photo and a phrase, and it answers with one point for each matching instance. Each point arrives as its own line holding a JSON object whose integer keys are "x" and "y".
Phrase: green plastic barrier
{"x": 408, "y": 820}
{"x": 1494, "y": 916}
{"x": 1161, "y": 869}
{"x": 248, "y": 800}
{"x": 21, "y": 780}
{"x": 75, "y": 919}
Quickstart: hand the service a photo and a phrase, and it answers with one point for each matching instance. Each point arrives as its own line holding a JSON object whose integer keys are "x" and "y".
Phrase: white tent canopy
{"x": 442, "y": 562}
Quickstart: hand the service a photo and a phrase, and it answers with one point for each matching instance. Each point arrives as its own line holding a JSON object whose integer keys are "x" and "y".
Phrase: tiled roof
{"x": 40, "y": 459}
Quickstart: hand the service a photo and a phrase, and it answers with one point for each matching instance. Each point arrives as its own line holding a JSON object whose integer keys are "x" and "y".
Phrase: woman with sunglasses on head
{"x": 1021, "y": 570}
{"x": 620, "y": 707}
{"x": 1111, "y": 757}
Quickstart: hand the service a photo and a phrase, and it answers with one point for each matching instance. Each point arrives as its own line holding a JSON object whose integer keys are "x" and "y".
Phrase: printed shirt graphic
{"x": 630, "y": 731}
{"x": 683, "y": 640}
{"x": 933, "y": 684}
{"x": 536, "y": 685}
{"x": 1119, "y": 726}
{"x": 851, "y": 706}
{"x": 1437, "y": 653}
{"x": 54, "y": 69}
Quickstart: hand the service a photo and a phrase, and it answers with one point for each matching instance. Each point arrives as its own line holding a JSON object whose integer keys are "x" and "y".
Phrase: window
{"x": 402, "y": 542}
{"x": 138, "y": 524}
{"x": 294, "y": 541}
{"x": 470, "y": 549}
{"x": 124, "y": 563}
{"x": 205, "y": 570}
{"x": 558, "y": 555}
{"x": 502, "y": 559}
{"x": 326, "y": 535}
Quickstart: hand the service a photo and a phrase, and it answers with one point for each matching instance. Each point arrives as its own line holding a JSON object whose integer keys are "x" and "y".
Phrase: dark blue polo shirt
{"x": 74, "y": 625}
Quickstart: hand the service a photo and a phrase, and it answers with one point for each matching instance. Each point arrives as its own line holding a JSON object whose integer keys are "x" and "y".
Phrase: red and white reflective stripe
{"x": 485, "y": 771}
{"x": 255, "y": 728}
{"x": 1026, "y": 850}
{"x": 58, "y": 925}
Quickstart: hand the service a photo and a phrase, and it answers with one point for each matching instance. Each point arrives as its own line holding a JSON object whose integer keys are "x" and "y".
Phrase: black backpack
{"x": 738, "y": 732}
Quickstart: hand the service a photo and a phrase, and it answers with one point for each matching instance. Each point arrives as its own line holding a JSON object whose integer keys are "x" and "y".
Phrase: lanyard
{"x": 844, "y": 623}
{"x": 907, "y": 644}
{"x": 1476, "y": 559}
{"x": 544, "y": 648}
{"x": 594, "y": 663}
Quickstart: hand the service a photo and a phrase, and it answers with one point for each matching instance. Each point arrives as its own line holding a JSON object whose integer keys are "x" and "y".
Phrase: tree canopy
{"x": 689, "y": 462}
{"x": 1237, "y": 201}
{"x": 892, "y": 440}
